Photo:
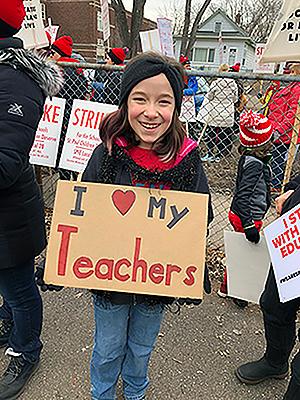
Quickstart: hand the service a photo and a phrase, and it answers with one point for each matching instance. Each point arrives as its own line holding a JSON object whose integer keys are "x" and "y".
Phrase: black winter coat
{"x": 119, "y": 169}
{"x": 25, "y": 81}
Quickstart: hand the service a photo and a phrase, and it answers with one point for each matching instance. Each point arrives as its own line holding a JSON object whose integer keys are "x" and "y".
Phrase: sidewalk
{"x": 195, "y": 356}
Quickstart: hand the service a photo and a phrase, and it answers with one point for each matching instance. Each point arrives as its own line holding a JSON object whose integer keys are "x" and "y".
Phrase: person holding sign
{"x": 251, "y": 199}
{"x": 144, "y": 144}
{"x": 279, "y": 322}
{"x": 26, "y": 81}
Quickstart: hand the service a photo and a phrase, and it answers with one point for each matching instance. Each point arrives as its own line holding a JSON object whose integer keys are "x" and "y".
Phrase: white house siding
{"x": 226, "y": 25}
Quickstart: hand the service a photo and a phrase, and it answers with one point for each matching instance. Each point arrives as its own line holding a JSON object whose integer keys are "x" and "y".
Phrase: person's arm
{"x": 90, "y": 174}
{"x": 192, "y": 87}
{"x": 292, "y": 184}
{"x": 289, "y": 189}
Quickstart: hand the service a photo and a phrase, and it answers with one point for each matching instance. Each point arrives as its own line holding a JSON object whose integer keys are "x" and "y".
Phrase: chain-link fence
{"x": 211, "y": 112}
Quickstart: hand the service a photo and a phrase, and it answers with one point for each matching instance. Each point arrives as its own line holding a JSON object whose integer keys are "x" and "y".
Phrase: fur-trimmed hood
{"x": 46, "y": 74}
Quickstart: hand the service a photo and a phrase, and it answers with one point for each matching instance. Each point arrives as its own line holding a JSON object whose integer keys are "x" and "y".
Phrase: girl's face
{"x": 151, "y": 105}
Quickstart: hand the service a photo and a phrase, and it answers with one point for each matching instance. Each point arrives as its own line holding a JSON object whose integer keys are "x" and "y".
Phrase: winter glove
{"x": 252, "y": 234}
{"x": 207, "y": 289}
{"x": 39, "y": 278}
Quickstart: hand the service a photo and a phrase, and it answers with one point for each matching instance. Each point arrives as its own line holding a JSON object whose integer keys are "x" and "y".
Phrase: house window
{"x": 43, "y": 10}
{"x": 99, "y": 21}
{"x": 232, "y": 56}
{"x": 244, "y": 57}
{"x": 204, "y": 55}
{"x": 218, "y": 27}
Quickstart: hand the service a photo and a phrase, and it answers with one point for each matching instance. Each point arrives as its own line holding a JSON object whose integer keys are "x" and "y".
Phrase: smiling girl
{"x": 144, "y": 144}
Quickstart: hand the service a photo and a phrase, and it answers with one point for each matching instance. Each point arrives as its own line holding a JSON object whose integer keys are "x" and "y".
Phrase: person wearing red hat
{"x": 116, "y": 55}
{"x": 25, "y": 81}
{"x": 251, "y": 199}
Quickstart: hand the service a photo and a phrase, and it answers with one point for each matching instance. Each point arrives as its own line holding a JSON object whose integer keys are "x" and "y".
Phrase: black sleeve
{"x": 241, "y": 201}
{"x": 202, "y": 187}
{"x": 293, "y": 184}
{"x": 90, "y": 174}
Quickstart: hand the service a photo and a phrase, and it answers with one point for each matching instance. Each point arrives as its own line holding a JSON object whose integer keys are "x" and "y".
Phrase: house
{"x": 81, "y": 19}
{"x": 220, "y": 40}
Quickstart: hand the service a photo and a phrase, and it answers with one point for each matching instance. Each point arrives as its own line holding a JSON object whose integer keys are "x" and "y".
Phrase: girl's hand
{"x": 279, "y": 201}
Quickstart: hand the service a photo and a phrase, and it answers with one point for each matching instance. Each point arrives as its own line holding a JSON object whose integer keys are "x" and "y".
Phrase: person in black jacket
{"x": 279, "y": 322}
{"x": 144, "y": 144}
{"x": 251, "y": 199}
{"x": 25, "y": 81}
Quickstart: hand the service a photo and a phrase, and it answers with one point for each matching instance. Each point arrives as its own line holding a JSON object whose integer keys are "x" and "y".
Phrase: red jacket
{"x": 282, "y": 110}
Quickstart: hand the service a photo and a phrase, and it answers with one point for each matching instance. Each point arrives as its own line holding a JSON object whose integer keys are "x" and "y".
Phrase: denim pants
{"x": 279, "y": 153}
{"x": 22, "y": 304}
{"x": 124, "y": 339}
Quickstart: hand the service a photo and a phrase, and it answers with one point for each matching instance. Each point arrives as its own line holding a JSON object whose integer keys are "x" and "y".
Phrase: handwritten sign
{"x": 165, "y": 35}
{"x": 45, "y": 146}
{"x": 283, "y": 239}
{"x": 260, "y": 68}
{"x": 150, "y": 40}
{"x": 105, "y": 19}
{"x": 128, "y": 239}
{"x": 32, "y": 32}
{"x": 83, "y": 133}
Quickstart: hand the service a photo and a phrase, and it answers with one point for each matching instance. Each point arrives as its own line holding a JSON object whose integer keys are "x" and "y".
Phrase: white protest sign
{"x": 150, "y": 40}
{"x": 105, "y": 19}
{"x": 165, "y": 35}
{"x": 45, "y": 146}
{"x": 284, "y": 41}
{"x": 53, "y": 31}
{"x": 33, "y": 33}
{"x": 83, "y": 133}
{"x": 188, "y": 111}
{"x": 283, "y": 239}
{"x": 260, "y": 68}
{"x": 247, "y": 266}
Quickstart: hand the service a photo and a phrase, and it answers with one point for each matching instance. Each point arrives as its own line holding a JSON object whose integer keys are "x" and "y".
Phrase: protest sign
{"x": 284, "y": 41}
{"x": 247, "y": 266}
{"x": 188, "y": 111}
{"x": 260, "y": 68}
{"x": 83, "y": 133}
{"x": 52, "y": 30}
{"x": 45, "y": 146}
{"x": 283, "y": 240}
{"x": 105, "y": 19}
{"x": 150, "y": 40}
{"x": 33, "y": 33}
{"x": 165, "y": 35}
{"x": 128, "y": 239}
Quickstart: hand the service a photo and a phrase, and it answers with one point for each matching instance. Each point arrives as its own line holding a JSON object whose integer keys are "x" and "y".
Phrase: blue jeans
{"x": 124, "y": 339}
{"x": 22, "y": 304}
{"x": 279, "y": 152}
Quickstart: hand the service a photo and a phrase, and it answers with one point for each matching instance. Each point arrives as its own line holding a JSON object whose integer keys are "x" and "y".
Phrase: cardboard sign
{"x": 150, "y": 40}
{"x": 128, "y": 239}
{"x": 45, "y": 146}
{"x": 284, "y": 41}
{"x": 33, "y": 33}
{"x": 283, "y": 239}
{"x": 247, "y": 266}
{"x": 105, "y": 19}
{"x": 260, "y": 68}
{"x": 188, "y": 111}
{"x": 83, "y": 133}
{"x": 165, "y": 35}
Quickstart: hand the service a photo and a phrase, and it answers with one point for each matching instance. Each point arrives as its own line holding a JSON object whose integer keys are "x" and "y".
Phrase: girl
{"x": 144, "y": 144}
{"x": 251, "y": 199}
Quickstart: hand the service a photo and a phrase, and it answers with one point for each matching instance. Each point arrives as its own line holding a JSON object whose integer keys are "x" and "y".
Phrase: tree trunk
{"x": 192, "y": 36}
{"x": 136, "y": 22}
{"x": 121, "y": 21}
{"x": 185, "y": 32}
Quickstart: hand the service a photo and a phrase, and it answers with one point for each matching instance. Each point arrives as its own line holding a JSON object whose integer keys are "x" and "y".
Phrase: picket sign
{"x": 259, "y": 67}
{"x": 33, "y": 33}
{"x": 247, "y": 266}
{"x": 45, "y": 146}
{"x": 128, "y": 239}
{"x": 83, "y": 133}
{"x": 283, "y": 240}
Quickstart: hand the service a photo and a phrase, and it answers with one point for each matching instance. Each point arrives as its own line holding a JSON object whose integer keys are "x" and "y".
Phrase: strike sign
{"x": 128, "y": 239}
{"x": 283, "y": 240}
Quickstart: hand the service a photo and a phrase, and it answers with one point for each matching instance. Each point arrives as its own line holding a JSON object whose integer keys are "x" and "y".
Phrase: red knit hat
{"x": 236, "y": 67}
{"x": 184, "y": 59}
{"x": 63, "y": 46}
{"x": 118, "y": 54}
{"x": 12, "y": 14}
{"x": 255, "y": 129}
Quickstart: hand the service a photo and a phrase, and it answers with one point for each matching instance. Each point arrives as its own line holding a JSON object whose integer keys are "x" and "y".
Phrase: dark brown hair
{"x": 259, "y": 152}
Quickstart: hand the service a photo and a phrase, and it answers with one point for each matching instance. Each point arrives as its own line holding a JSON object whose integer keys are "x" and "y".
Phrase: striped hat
{"x": 255, "y": 129}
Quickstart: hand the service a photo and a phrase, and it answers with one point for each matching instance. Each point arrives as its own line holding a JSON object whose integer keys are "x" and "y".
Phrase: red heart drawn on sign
{"x": 123, "y": 201}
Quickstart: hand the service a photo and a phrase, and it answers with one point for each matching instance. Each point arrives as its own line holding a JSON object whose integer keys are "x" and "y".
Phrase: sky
{"x": 151, "y": 7}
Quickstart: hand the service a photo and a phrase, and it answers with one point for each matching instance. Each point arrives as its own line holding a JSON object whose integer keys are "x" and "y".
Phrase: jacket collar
{"x": 12, "y": 42}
